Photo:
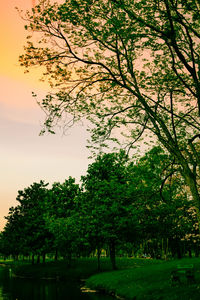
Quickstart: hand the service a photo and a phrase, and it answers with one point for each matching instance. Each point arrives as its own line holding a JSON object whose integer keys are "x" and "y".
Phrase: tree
{"x": 128, "y": 65}
{"x": 162, "y": 203}
{"x": 59, "y": 215}
{"x": 33, "y": 234}
{"x": 107, "y": 203}
{"x": 12, "y": 235}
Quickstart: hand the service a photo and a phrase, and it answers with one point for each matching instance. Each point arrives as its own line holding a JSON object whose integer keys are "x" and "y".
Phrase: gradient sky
{"x": 26, "y": 157}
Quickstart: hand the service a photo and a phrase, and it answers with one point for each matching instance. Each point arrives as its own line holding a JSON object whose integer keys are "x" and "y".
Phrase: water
{"x": 27, "y": 289}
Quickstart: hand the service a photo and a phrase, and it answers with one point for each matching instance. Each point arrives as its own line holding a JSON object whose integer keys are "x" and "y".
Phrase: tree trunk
{"x": 196, "y": 251}
{"x": 56, "y": 254}
{"x": 189, "y": 175}
{"x": 162, "y": 249}
{"x": 190, "y": 253}
{"x": 192, "y": 184}
{"x": 15, "y": 257}
{"x": 112, "y": 255}
{"x": 107, "y": 252}
{"x": 69, "y": 258}
{"x": 167, "y": 249}
{"x": 38, "y": 259}
{"x": 98, "y": 258}
{"x": 178, "y": 249}
{"x": 33, "y": 261}
{"x": 43, "y": 258}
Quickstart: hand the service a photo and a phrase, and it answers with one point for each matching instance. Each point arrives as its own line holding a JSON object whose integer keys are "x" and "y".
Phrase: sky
{"x": 26, "y": 157}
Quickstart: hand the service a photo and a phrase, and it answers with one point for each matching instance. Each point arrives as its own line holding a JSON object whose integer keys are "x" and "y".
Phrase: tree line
{"x": 121, "y": 207}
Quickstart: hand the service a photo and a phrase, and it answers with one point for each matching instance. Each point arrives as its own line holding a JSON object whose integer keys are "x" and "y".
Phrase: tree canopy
{"x": 25, "y": 229}
{"x": 121, "y": 206}
{"x": 108, "y": 202}
{"x": 59, "y": 215}
{"x": 130, "y": 67}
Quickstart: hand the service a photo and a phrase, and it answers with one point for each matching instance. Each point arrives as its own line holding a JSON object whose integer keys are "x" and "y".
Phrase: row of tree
{"x": 121, "y": 206}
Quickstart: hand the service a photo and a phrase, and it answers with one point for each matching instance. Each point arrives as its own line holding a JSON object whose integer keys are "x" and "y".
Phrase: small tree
{"x": 59, "y": 215}
{"x": 32, "y": 231}
{"x": 13, "y": 236}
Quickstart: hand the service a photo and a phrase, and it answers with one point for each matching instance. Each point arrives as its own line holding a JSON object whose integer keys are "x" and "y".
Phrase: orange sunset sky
{"x": 26, "y": 157}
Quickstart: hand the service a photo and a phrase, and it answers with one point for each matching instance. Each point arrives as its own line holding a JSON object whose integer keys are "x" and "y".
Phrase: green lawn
{"x": 54, "y": 270}
{"x": 80, "y": 268}
{"x": 148, "y": 279}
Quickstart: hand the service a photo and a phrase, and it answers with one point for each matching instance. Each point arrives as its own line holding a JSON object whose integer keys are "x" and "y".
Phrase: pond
{"x": 27, "y": 289}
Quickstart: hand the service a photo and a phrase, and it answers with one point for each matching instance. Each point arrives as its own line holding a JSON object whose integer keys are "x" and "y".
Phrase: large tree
{"x": 128, "y": 65}
{"x": 107, "y": 203}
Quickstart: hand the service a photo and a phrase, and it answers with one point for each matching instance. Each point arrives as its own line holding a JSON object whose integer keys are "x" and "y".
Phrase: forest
{"x": 122, "y": 207}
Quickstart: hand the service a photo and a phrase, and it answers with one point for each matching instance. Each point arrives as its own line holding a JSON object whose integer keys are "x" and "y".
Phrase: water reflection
{"x": 26, "y": 289}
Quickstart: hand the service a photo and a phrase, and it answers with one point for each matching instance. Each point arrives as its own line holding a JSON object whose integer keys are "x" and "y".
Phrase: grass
{"x": 147, "y": 279}
{"x": 80, "y": 268}
{"x": 53, "y": 270}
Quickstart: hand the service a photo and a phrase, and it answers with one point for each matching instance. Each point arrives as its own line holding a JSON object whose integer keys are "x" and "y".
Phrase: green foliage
{"x": 25, "y": 231}
{"x": 59, "y": 216}
{"x": 150, "y": 281}
{"x": 130, "y": 67}
{"x": 107, "y": 201}
{"x": 123, "y": 206}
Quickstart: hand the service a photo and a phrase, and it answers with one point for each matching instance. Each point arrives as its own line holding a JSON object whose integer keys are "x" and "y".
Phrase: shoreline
{"x": 135, "y": 278}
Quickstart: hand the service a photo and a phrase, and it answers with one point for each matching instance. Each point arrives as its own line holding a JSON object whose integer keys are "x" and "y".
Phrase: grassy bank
{"x": 79, "y": 269}
{"x": 134, "y": 279}
{"x": 59, "y": 270}
{"x": 148, "y": 279}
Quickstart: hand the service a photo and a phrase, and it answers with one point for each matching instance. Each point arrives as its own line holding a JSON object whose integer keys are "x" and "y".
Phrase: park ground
{"x": 134, "y": 279}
